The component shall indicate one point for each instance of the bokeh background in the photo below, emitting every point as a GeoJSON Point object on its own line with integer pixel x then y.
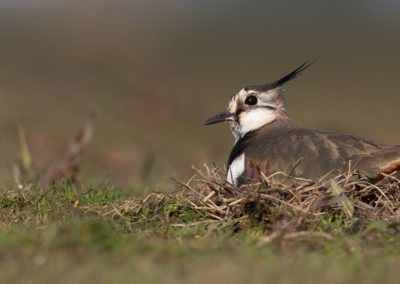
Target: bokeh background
{"type": "Point", "coordinates": [153, 71]}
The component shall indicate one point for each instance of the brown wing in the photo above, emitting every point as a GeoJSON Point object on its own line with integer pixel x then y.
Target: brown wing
{"type": "Point", "coordinates": [303, 152]}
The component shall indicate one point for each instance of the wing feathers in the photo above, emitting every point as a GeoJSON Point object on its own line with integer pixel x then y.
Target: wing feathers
{"type": "Point", "coordinates": [314, 153]}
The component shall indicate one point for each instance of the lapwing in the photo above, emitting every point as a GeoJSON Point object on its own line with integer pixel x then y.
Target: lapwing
{"type": "Point", "coordinates": [267, 140]}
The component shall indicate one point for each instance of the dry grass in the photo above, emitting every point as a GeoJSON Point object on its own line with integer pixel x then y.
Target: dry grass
{"type": "Point", "coordinates": [65, 168]}
{"type": "Point", "coordinates": [346, 193]}
{"type": "Point", "coordinates": [286, 206]}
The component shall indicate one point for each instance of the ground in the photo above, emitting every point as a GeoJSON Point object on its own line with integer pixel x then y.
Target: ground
{"type": "Point", "coordinates": [99, 234]}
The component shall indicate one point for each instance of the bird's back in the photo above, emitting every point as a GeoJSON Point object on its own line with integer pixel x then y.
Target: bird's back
{"type": "Point", "coordinates": [305, 152]}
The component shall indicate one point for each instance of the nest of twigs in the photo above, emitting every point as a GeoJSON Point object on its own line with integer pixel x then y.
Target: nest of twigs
{"type": "Point", "coordinates": [279, 196]}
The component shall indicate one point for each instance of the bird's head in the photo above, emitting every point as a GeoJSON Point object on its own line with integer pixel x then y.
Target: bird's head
{"type": "Point", "coordinates": [255, 106]}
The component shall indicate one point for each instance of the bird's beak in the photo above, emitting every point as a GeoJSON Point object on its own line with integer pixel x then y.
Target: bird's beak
{"type": "Point", "coordinates": [223, 116]}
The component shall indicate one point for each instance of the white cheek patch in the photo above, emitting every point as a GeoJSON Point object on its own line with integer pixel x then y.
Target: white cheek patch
{"type": "Point", "coordinates": [232, 106]}
{"type": "Point", "coordinates": [256, 118]}
{"type": "Point", "coordinates": [236, 169]}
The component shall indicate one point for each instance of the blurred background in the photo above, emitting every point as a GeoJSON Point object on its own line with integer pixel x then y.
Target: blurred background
{"type": "Point", "coordinates": [154, 71]}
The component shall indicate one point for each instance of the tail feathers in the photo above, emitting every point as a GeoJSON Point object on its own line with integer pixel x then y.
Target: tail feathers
{"type": "Point", "coordinates": [380, 163]}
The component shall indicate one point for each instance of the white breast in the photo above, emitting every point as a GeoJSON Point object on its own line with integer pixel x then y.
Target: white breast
{"type": "Point", "coordinates": [236, 169]}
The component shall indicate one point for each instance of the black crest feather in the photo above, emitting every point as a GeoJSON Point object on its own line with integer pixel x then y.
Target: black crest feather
{"type": "Point", "coordinates": [292, 74]}
{"type": "Point", "coordinates": [284, 79]}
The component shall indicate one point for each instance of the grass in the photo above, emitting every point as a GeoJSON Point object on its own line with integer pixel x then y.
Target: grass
{"type": "Point", "coordinates": [98, 234]}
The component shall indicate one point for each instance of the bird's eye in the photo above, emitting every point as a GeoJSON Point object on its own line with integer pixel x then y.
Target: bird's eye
{"type": "Point", "coordinates": [251, 100]}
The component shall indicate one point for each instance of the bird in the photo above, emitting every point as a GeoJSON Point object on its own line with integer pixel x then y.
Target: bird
{"type": "Point", "coordinates": [267, 141]}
